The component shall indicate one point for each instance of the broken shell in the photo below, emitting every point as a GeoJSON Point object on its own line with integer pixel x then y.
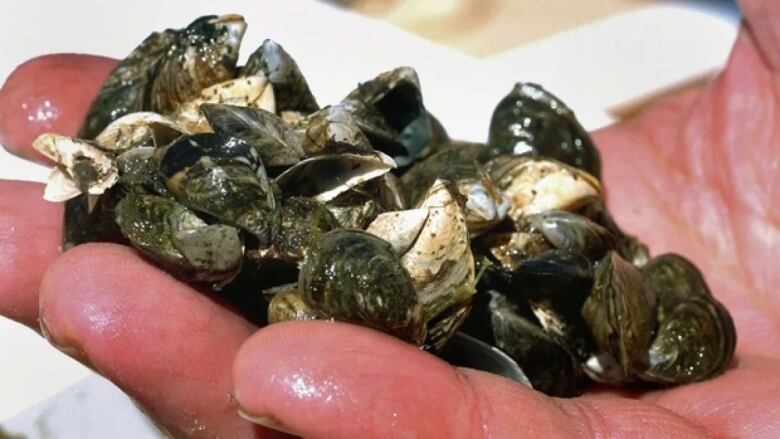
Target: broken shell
{"type": "Point", "coordinates": [81, 167]}
{"type": "Point", "coordinates": [388, 105]}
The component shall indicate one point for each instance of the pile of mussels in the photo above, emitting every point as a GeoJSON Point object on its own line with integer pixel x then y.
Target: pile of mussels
{"type": "Point", "coordinates": [500, 256]}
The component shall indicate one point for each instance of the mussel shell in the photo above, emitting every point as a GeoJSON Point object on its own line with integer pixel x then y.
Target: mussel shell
{"type": "Point", "coordinates": [485, 204]}
{"type": "Point", "coordinates": [696, 336]}
{"type": "Point", "coordinates": [440, 262]}
{"type": "Point", "coordinates": [167, 69]}
{"type": "Point", "coordinates": [287, 304]}
{"type": "Point", "coordinates": [621, 313]}
{"type": "Point", "coordinates": [203, 54]}
{"type": "Point", "coordinates": [134, 130]}
{"type": "Point", "coordinates": [695, 341]}
{"type": "Point", "coordinates": [388, 105]}
{"type": "Point", "coordinates": [275, 141]}
{"type": "Point", "coordinates": [325, 177]}
{"type": "Point", "coordinates": [223, 177]}
{"type": "Point", "coordinates": [434, 247]}
{"type": "Point", "coordinates": [81, 167]}
{"type": "Point", "coordinates": [674, 279]}
{"type": "Point", "coordinates": [303, 221]}
{"type": "Point", "coordinates": [354, 276]}
{"type": "Point", "coordinates": [628, 247]}
{"type": "Point", "coordinates": [574, 233]}
{"type": "Point", "coordinates": [252, 91]}
{"type": "Point", "coordinates": [177, 239]}
{"type": "Point", "coordinates": [355, 208]}
{"type": "Point", "coordinates": [531, 121]}
{"type": "Point", "coordinates": [138, 171]}
{"type": "Point", "coordinates": [535, 185]}
{"type": "Point", "coordinates": [547, 362]}
{"type": "Point", "coordinates": [290, 87]}
{"type": "Point", "coordinates": [463, 350]}
{"type": "Point", "coordinates": [443, 327]}
{"type": "Point", "coordinates": [510, 249]}
{"type": "Point", "coordinates": [510, 326]}
{"type": "Point", "coordinates": [126, 89]}
{"type": "Point", "coordinates": [90, 218]}
{"type": "Point", "coordinates": [556, 284]}
{"type": "Point", "coordinates": [331, 130]}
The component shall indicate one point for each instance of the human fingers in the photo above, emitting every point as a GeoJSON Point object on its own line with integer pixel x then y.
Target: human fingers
{"type": "Point", "coordinates": [763, 20]}
{"type": "Point", "coordinates": [695, 175]}
{"type": "Point", "coordinates": [30, 235]}
{"type": "Point", "coordinates": [326, 379]}
{"type": "Point", "coordinates": [166, 345]}
{"type": "Point", "coordinates": [744, 402]}
{"type": "Point", "coordinates": [50, 93]}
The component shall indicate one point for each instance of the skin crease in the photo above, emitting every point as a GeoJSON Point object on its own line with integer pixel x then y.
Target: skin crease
{"type": "Point", "coordinates": [707, 159]}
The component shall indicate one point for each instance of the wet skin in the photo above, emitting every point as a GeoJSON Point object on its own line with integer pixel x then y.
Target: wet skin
{"type": "Point", "coordinates": [696, 174]}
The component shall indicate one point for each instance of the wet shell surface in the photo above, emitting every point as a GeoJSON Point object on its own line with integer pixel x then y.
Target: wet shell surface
{"type": "Point", "coordinates": [497, 253]}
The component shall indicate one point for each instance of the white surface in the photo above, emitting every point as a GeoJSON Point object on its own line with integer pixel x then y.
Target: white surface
{"type": "Point", "coordinates": [592, 68]}
{"type": "Point", "coordinates": [626, 57]}
{"type": "Point", "coordinates": [95, 396]}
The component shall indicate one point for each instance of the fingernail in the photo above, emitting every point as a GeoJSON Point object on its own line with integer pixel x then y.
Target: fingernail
{"type": "Point", "coordinates": [68, 346]}
{"type": "Point", "coordinates": [266, 421]}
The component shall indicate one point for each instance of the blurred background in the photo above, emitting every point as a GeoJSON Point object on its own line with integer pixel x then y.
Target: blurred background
{"type": "Point", "coordinates": [482, 28]}
{"type": "Point", "coordinates": [491, 29]}
{"type": "Point", "coordinates": [607, 59]}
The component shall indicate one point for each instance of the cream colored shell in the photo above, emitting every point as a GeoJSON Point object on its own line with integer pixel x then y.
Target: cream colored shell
{"type": "Point", "coordinates": [435, 244]}
{"type": "Point", "coordinates": [250, 91]}
{"type": "Point", "coordinates": [66, 152]}
{"type": "Point", "coordinates": [535, 185]}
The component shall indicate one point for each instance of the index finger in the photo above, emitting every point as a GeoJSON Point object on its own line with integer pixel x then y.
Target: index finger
{"type": "Point", "coordinates": [50, 93]}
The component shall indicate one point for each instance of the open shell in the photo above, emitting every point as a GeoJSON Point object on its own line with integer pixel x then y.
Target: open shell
{"type": "Point", "coordinates": [326, 176]}
{"type": "Point", "coordinates": [81, 167]}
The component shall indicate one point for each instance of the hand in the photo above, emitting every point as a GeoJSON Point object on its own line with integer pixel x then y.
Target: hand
{"type": "Point", "coordinates": [695, 174]}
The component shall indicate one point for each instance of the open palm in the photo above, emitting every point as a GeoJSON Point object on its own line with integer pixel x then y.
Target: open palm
{"type": "Point", "coordinates": [695, 175]}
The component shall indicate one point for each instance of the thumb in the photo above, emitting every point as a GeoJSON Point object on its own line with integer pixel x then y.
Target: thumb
{"type": "Point", "coordinates": [326, 379]}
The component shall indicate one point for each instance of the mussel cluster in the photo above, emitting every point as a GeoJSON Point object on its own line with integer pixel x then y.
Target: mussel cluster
{"type": "Point", "coordinates": [500, 256]}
